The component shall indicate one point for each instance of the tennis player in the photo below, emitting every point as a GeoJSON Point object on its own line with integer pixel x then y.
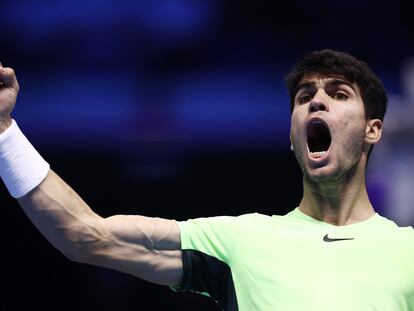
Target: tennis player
{"type": "Point", "coordinates": [332, 252]}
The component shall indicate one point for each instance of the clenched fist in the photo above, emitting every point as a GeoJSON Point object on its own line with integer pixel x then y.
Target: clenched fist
{"type": "Point", "coordinates": [9, 87]}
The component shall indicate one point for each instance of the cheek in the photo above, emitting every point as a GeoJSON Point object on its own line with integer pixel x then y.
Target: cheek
{"type": "Point", "coordinates": [295, 120]}
{"type": "Point", "coordinates": [353, 132]}
{"type": "Point", "coordinates": [351, 121]}
{"type": "Point", "coordinates": [294, 128]}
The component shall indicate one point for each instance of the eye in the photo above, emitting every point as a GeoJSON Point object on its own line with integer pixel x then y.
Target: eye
{"type": "Point", "coordinates": [305, 98]}
{"type": "Point", "coordinates": [340, 96]}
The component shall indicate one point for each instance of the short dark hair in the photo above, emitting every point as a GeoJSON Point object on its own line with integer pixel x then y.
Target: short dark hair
{"type": "Point", "coordinates": [330, 62]}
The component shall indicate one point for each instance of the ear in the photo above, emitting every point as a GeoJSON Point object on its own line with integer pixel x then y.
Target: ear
{"type": "Point", "coordinates": [373, 131]}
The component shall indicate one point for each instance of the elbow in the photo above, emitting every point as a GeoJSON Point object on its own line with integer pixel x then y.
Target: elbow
{"type": "Point", "coordinates": [75, 251]}
{"type": "Point", "coordinates": [82, 245]}
{"type": "Point", "coordinates": [76, 255]}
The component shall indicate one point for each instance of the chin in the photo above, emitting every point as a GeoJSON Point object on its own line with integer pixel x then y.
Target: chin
{"type": "Point", "coordinates": [323, 174]}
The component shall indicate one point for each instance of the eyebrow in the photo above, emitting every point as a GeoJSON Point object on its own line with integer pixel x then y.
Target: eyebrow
{"type": "Point", "coordinates": [333, 82]}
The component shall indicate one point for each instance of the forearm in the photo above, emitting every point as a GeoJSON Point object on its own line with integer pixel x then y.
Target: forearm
{"type": "Point", "coordinates": [145, 247]}
{"type": "Point", "coordinates": [63, 217]}
{"type": "Point", "coordinates": [57, 211]}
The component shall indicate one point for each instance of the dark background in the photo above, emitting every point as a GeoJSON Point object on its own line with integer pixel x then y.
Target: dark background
{"type": "Point", "coordinates": [173, 109]}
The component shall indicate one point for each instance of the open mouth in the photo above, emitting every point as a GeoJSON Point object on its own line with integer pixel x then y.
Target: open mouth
{"type": "Point", "coordinates": [318, 137]}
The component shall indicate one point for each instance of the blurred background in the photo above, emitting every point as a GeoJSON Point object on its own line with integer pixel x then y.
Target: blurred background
{"type": "Point", "coordinates": [178, 109]}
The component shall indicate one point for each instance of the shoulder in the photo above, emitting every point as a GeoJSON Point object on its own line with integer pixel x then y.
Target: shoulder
{"type": "Point", "coordinates": [391, 228]}
{"type": "Point", "coordinates": [234, 225]}
{"type": "Point", "coordinates": [228, 220]}
{"type": "Point", "coordinates": [407, 232]}
{"type": "Point", "coordinates": [258, 220]}
{"type": "Point", "coordinates": [254, 217]}
{"type": "Point", "coordinates": [223, 224]}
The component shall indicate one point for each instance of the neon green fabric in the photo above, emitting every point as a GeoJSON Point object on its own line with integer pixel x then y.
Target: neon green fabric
{"type": "Point", "coordinates": [283, 262]}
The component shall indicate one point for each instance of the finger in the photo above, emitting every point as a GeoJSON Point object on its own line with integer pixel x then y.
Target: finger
{"type": "Point", "coordinates": [8, 77]}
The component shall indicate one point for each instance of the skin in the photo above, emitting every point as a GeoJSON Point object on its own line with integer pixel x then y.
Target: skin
{"type": "Point", "coordinates": [150, 248]}
{"type": "Point", "coordinates": [334, 188]}
{"type": "Point", "coordinates": [9, 87]}
{"type": "Point", "coordinates": [146, 247]}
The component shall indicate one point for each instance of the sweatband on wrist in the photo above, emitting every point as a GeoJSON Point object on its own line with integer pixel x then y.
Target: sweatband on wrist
{"type": "Point", "coordinates": [22, 168]}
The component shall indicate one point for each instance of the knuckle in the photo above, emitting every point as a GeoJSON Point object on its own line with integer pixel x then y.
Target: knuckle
{"type": "Point", "coordinates": [8, 72]}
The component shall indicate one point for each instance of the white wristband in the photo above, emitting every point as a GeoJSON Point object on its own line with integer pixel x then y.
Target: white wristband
{"type": "Point", "coordinates": [22, 168]}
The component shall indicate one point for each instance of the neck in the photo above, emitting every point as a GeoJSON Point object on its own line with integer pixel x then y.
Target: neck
{"type": "Point", "coordinates": [340, 202]}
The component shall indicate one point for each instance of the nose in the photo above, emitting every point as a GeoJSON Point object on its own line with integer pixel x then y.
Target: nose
{"type": "Point", "coordinates": [317, 104]}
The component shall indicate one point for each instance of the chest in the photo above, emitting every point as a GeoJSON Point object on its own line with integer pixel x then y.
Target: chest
{"type": "Point", "coordinates": [304, 266]}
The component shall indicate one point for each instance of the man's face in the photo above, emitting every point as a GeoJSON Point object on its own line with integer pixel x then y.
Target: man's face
{"type": "Point", "coordinates": [328, 126]}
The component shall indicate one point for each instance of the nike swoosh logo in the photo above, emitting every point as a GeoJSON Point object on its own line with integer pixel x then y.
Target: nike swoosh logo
{"type": "Point", "coordinates": [328, 239]}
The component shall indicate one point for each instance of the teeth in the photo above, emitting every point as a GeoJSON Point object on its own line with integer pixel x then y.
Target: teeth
{"type": "Point", "coordinates": [318, 154]}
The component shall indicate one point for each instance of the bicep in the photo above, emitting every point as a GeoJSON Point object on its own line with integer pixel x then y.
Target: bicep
{"type": "Point", "coordinates": [146, 247]}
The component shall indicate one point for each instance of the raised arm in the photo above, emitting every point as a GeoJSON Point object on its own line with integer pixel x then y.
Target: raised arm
{"type": "Point", "coordinates": [148, 248]}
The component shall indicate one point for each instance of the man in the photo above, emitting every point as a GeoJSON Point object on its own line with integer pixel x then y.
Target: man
{"type": "Point", "coordinates": [333, 252]}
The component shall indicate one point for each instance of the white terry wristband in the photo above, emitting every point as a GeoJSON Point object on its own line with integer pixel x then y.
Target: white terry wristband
{"type": "Point", "coordinates": [22, 168]}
